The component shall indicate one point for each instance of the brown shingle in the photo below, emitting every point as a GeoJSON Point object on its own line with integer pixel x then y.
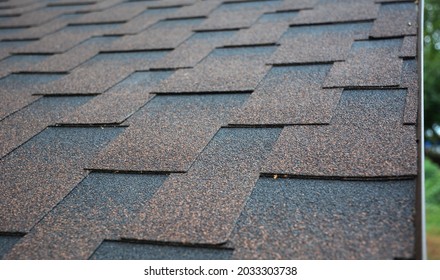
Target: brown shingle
{"type": "Point", "coordinates": [290, 95]}
{"type": "Point", "coordinates": [224, 70]}
{"type": "Point", "coordinates": [370, 64]}
{"type": "Point", "coordinates": [366, 138]}
{"type": "Point", "coordinates": [24, 124]}
{"type": "Point", "coordinates": [40, 173]}
{"type": "Point", "coordinates": [168, 133]}
{"type": "Point", "coordinates": [101, 73]}
{"type": "Point", "coordinates": [338, 12]}
{"type": "Point", "coordinates": [119, 102]}
{"type": "Point", "coordinates": [395, 20]}
{"type": "Point", "coordinates": [202, 205]}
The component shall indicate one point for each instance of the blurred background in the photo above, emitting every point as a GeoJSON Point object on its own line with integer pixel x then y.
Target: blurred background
{"type": "Point", "coordinates": [432, 125]}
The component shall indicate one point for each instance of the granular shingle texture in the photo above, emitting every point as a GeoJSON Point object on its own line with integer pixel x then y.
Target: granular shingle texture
{"type": "Point", "coordinates": [169, 133]}
{"type": "Point", "coordinates": [366, 138]}
{"type": "Point", "coordinates": [28, 122]}
{"type": "Point", "coordinates": [202, 205]}
{"type": "Point", "coordinates": [111, 250]}
{"type": "Point", "coordinates": [224, 70]}
{"type": "Point", "coordinates": [290, 95]}
{"type": "Point", "coordinates": [357, 220]}
{"type": "Point", "coordinates": [40, 173]}
{"type": "Point", "coordinates": [6, 243]}
{"type": "Point", "coordinates": [209, 129]}
{"type": "Point", "coordinates": [369, 64]}
{"type": "Point", "coordinates": [99, 207]}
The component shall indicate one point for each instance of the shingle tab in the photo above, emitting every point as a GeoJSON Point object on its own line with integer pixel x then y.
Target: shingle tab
{"type": "Point", "coordinates": [366, 138]}
{"type": "Point", "coordinates": [409, 47]}
{"type": "Point", "coordinates": [70, 59]}
{"type": "Point", "coordinates": [99, 207]}
{"type": "Point", "coordinates": [395, 20]}
{"type": "Point", "coordinates": [224, 70]}
{"type": "Point", "coordinates": [119, 102]}
{"type": "Point", "coordinates": [290, 95]}
{"type": "Point", "coordinates": [65, 39]}
{"type": "Point", "coordinates": [177, 30]}
{"type": "Point", "coordinates": [16, 91]}
{"type": "Point", "coordinates": [102, 72]}
{"type": "Point", "coordinates": [50, 165]}
{"type": "Point", "coordinates": [201, 206]}
{"type": "Point", "coordinates": [24, 124]}
{"type": "Point", "coordinates": [194, 49]}
{"type": "Point", "coordinates": [409, 80]}
{"type": "Point", "coordinates": [338, 12]}
{"type": "Point", "coordinates": [370, 64]}
{"type": "Point", "coordinates": [168, 133]}
{"type": "Point", "coordinates": [357, 220]}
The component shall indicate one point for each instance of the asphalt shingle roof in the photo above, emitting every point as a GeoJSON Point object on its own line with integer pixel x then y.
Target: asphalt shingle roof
{"type": "Point", "coordinates": [208, 129]}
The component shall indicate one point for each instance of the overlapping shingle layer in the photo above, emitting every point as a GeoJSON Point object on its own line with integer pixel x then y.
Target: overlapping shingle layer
{"type": "Point", "coordinates": [208, 129]}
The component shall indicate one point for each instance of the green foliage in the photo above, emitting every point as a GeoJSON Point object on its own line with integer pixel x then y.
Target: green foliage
{"type": "Point", "coordinates": [432, 62]}
{"type": "Point", "coordinates": [432, 183]}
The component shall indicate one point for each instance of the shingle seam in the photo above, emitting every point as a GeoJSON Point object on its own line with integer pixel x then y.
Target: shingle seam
{"type": "Point", "coordinates": [122, 171]}
{"type": "Point", "coordinates": [201, 92]}
{"type": "Point", "coordinates": [177, 244]}
{"type": "Point", "coordinates": [338, 178]}
{"type": "Point", "coordinates": [330, 23]}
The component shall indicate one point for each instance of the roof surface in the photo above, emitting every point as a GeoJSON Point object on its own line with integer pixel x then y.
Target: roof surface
{"type": "Point", "coordinates": [223, 129]}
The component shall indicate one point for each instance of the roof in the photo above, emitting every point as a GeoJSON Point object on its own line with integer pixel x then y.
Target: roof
{"type": "Point", "coordinates": [223, 129]}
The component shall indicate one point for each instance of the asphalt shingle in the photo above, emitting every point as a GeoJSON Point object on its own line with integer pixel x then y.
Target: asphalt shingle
{"type": "Point", "coordinates": [370, 64]}
{"type": "Point", "coordinates": [357, 220]}
{"type": "Point", "coordinates": [99, 207]}
{"type": "Point", "coordinates": [224, 70]}
{"type": "Point", "coordinates": [201, 205]}
{"type": "Point", "coordinates": [39, 174]}
{"type": "Point", "coordinates": [119, 102]}
{"type": "Point", "coordinates": [290, 95]}
{"type": "Point", "coordinates": [168, 133]}
{"type": "Point", "coordinates": [16, 91]}
{"type": "Point", "coordinates": [395, 20]}
{"type": "Point", "coordinates": [19, 127]}
{"type": "Point", "coordinates": [102, 72]}
{"type": "Point", "coordinates": [366, 138]}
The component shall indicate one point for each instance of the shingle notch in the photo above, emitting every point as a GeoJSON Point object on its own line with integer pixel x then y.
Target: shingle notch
{"type": "Point", "coordinates": [169, 133]}
{"type": "Point", "coordinates": [176, 30]}
{"type": "Point", "coordinates": [366, 138]}
{"type": "Point", "coordinates": [327, 219]}
{"type": "Point", "coordinates": [65, 38]}
{"type": "Point", "coordinates": [98, 208]}
{"type": "Point", "coordinates": [121, 101]}
{"type": "Point", "coordinates": [50, 165]}
{"type": "Point", "coordinates": [318, 43]}
{"type": "Point", "coordinates": [194, 49]}
{"type": "Point", "coordinates": [395, 20]}
{"type": "Point", "coordinates": [111, 250]}
{"type": "Point", "coordinates": [16, 90]}
{"type": "Point", "coordinates": [102, 72]}
{"type": "Point", "coordinates": [201, 206]}
{"type": "Point", "coordinates": [29, 121]}
{"type": "Point", "coordinates": [70, 59]}
{"type": "Point", "coordinates": [373, 63]}
{"type": "Point", "coordinates": [224, 70]}
{"type": "Point", "coordinates": [334, 11]}
{"type": "Point", "coordinates": [290, 95]}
